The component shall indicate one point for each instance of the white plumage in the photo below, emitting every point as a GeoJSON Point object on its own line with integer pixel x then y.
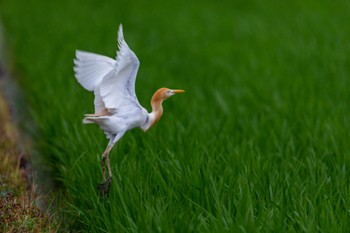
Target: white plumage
{"type": "Point", "coordinates": [116, 106]}
{"type": "Point", "coordinates": [113, 83]}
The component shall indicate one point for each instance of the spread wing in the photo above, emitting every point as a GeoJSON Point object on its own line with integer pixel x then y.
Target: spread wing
{"type": "Point", "coordinates": [112, 81]}
{"type": "Point", "coordinates": [90, 68]}
{"type": "Point", "coordinates": [117, 88]}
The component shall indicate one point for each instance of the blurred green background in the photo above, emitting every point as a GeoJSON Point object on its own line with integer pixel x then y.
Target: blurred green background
{"type": "Point", "coordinates": [258, 143]}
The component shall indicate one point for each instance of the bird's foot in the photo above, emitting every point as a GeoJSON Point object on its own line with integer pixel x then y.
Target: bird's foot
{"type": "Point", "coordinates": [104, 187]}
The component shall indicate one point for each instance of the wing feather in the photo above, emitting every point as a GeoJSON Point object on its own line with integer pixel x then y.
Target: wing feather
{"type": "Point", "coordinates": [112, 81]}
{"type": "Point", "coordinates": [90, 68]}
{"type": "Point", "coordinates": [117, 88]}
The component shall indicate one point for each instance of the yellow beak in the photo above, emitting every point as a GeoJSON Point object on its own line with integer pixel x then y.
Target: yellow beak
{"type": "Point", "coordinates": [178, 91]}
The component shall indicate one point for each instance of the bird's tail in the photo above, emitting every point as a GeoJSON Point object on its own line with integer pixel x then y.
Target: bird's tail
{"type": "Point", "coordinates": [88, 120]}
{"type": "Point", "coordinates": [92, 118]}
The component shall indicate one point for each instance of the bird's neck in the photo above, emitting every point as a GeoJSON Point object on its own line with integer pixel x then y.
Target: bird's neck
{"type": "Point", "coordinates": [157, 111]}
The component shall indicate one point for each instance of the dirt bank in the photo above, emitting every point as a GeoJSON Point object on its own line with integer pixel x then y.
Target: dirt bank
{"type": "Point", "coordinates": [18, 210]}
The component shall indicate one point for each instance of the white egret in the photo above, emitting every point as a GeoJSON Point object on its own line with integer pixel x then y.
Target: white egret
{"type": "Point", "coordinates": [117, 109]}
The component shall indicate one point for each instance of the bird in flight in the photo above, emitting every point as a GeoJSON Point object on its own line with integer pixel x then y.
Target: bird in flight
{"type": "Point", "coordinates": [117, 109]}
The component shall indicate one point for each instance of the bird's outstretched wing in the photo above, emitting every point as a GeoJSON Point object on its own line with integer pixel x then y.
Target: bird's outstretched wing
{"type": "Point", "coordinates": [113, 81]}
{"type": "Point", "coordinates": [90, 68]}
{"type": "Point", "coordinates": [117, 88]}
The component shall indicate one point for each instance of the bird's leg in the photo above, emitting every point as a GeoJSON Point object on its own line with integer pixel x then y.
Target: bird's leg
{"type": "Point", "coordinates": [106, 183]}
{"type": "Point", "coordinates": [103, 168]}
{"type": "Point", "coordinates": [104, 156]}
{"type": "Point", "coordinates": [109, 167]}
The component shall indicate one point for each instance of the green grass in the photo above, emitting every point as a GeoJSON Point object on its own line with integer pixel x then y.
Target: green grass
{"type": "Point", "coordinates": [258, 143]}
